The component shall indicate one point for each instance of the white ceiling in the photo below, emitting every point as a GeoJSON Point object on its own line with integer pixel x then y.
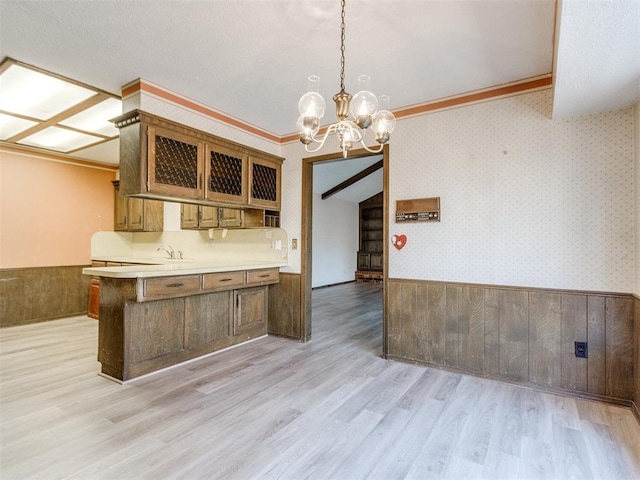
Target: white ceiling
{"type": "Point", "coordinates": [330, 174]}
{"type": "Point", "coordinates": [250, 58]}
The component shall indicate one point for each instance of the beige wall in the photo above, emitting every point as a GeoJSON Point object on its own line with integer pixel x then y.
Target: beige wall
{"type": "Point", "coordinates": [49, 210]}
{"type": "Point", "coordinates": [526, 200]}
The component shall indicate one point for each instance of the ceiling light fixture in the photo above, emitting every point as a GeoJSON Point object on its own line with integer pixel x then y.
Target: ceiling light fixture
{"type": "Point", "coordinates": [363, 107]}
{"type": "Point", "coordinates": [44, 110]}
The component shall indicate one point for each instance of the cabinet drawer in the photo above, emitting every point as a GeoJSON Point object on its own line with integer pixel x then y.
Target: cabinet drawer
{"type": "Point", "coordinates": [225, 279]}
{"type": "Point", "coordinates": [270, 275]}
{"type": "Point", "coordinates": [164, 287]}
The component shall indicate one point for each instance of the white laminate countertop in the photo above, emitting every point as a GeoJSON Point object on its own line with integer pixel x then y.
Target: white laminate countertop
{"type": "Point", "coordinates": [164, 267]}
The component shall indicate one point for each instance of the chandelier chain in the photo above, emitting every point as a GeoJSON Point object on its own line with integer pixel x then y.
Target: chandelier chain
{"type": "Point", "coordinates": [342, 27]}
{"type": "Point", "coordinates": [349, 132]}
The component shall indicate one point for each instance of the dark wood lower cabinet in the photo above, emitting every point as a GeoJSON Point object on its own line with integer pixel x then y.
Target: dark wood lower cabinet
{"type": "Point", "coordinates": [208, 320]}
{"type": "Point", "coordinates": [93, 310]}
{"type": "Point", "coordinates": [140, 337]}
{"type": "Point", "coordinates": [251, 311]}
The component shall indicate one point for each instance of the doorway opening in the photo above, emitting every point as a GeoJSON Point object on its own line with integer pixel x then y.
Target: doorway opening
{"type": "Point", "coordinates": [307, 234]}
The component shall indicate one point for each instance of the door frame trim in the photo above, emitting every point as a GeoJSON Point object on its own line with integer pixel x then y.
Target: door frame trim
{"type": "Point", "coordinates": [306, 236]}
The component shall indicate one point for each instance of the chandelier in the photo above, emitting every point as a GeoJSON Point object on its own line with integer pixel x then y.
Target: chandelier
{"type": "Point", "coordinates": [356, 114]}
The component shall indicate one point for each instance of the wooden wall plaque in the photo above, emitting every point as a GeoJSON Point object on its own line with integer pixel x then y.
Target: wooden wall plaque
{"type": "Point", "coordinates": [418, 210]}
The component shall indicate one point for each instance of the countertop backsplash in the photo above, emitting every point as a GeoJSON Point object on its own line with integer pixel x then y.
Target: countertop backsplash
{"type": "Point", "coordinates": [254, 244]}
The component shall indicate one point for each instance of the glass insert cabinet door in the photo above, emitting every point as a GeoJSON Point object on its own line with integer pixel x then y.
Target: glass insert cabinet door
{"type": "Point", "coordinates": [175, 165]}
{"type": "Point", "coordinates": [264, 184]}
{"type": "Point", "coordinates": [226, 173]}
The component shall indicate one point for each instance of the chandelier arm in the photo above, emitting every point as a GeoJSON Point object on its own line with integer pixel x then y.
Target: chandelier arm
{"type": "Point", "coordinates": [320, 141]}
{"type": "Point", "coordinates": [378, 149]}
{"type": "Point", "coordinates": [356, 134]}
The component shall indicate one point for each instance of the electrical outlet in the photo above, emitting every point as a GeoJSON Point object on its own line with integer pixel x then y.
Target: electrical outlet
{"type": "Point", "coordinates": [581, 350]}
{"type": "Point", "coordinates": [294, 244]}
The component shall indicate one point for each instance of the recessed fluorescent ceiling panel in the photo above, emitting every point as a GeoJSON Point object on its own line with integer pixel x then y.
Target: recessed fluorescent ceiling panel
{"type": "Point", "coordinates": [96, 118]}
{"type": "Point", "coordinates": [36, 95]}
{"type": "Point", "coordinates": [59, 139]}
{"type": "Point", "coordinates": [48, 111]}
{"type": "Point", "coordinates": [9, 126]}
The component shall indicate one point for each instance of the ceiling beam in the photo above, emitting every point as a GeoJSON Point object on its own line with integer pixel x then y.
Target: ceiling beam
{"type": "Point", "coordinates": [350, 181]}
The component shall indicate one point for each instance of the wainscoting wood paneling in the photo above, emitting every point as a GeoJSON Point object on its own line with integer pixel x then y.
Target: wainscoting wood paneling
{"type": "Point", "coordinates": [470, 329]}
{"type": "Point", "coordinates": [513, 347]}
{"type": "Point", "coordinates": [491, 336]}
{"type": "Point", "coordinates": [545, 339]}
{"type": "Point", "coordinates": [596, 337]}
{"type": "Point", "coordinates": [520, 334]}
{"type": "Point", "coordinates": [636, 349]}
{"type": "Point", "coordinates": [285, 317]}
{"type": "Point", "coordinates": [574, 329]}
{"type": "Point", "coordinates": [619, 347]}
{"type": "Point", "coordinates": [31, 295]}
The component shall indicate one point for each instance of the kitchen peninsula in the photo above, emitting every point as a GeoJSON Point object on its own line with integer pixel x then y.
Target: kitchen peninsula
{"type": "Point", "coordinates": [157, 311]}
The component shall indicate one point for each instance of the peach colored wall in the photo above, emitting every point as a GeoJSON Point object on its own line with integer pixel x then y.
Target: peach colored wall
{"type": "Point", "coordinates": [49, 210]}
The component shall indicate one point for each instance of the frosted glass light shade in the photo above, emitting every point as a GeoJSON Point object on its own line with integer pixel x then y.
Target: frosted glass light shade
{"type": "Point", "coordinates": [383, 124]}
{"type": "Point", "coordinates": [312, 104]}
{"type": "Point", "coordinates": [307, 128]}
{"type": "Point", "coordinates": [363, 104]}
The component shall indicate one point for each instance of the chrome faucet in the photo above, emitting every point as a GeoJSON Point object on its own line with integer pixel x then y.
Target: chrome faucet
{"type": "Point", "coordinates": [169, 251]}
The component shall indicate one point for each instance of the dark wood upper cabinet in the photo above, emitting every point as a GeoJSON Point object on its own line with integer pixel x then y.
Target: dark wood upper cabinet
{"type": "Point", "coordinates": [136, 214]}
{"type": "Point", "coordinates": [162, 160]}
{"type": "Point", "coordinates": [264, 182]}
{"type": "Point", "coordinates": [174, 163]}
{"type": "Point", "coordinates": [226, 175]}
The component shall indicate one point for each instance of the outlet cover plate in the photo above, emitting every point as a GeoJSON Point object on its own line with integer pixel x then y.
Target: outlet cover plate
{"type": "Point", "coordinates": [581, 350]}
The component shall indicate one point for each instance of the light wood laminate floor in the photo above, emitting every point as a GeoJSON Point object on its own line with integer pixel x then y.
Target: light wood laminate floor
{"type": "Point", "coordinates": [274, 408]}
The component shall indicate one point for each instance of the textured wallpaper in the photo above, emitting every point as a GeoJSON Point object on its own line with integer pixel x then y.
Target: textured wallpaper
{"type": "Point", "coordinates": [185, 116]}
{"type": "Point", "coordinates": [636, 285]}
{"type": "Point", "coordinates": [525, 200]}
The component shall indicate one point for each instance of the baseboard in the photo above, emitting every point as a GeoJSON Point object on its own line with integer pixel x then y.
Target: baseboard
{"type": "Point", "coordinates": [288, 337]}
{"type": "Point", "coordinates": [636, 411]}
{"type": "Point", "coordinates": [333, 284]}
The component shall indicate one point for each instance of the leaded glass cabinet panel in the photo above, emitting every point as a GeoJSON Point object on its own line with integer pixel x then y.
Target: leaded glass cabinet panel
{"type": "Point", "coordinates": [226, 173]}
{"type": "Point", "coordinates": [264, 184]}
{"type": "Point", "coordinates": [174, 163]}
